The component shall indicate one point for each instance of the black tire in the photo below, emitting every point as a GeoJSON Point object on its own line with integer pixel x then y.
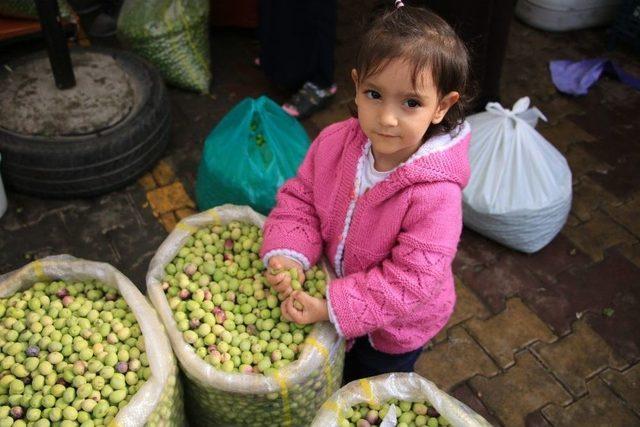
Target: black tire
{"type": "Point", "coordinates": [92, 164]}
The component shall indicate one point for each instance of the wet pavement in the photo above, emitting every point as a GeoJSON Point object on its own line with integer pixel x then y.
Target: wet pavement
{"type": "Point", "coordinates": [548, 339]}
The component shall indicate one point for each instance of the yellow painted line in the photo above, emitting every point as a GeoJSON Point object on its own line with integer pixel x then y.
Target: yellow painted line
{"type": "Point", "coordinates": [284, 393]}
{"type": "Point", "coordinates": [325, 355]}
{"type": "Point", "coordinates": [186, 227]}
{"type": "Point", "coordinates": [332, 406]}
{"type": "Point", "coordinates": [213, 213]}
{"type": "Point", "coordinates": [368, 392]}
{"type": "Point", "coordinates": [38, 270]}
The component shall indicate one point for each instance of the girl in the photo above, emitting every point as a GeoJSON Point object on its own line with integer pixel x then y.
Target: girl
{"type": "Point", "coordinates": [380, 196]}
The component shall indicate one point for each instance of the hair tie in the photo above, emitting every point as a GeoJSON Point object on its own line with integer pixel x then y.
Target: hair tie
{"type": "Point", "coordinates": [399, 4]}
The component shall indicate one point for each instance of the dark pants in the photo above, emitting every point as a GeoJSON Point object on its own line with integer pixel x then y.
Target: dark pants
{"type": "Point", "coordinates": [297, 41]}
{"type": "Point", "coordinates": [364, 361]}
{"type": "Point", "coordinates": [484, 28]}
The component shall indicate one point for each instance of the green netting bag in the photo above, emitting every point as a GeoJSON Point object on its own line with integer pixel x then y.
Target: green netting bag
{"type": "Point", "coordinates": [289, 397]}
{"type": "Point", "coordinates": [171, 34]}
{"type": "Point", "coordinates": [377, 391]}
{"type": "Point", "coordinates": [159, 401]}
{"type": "Point", "coordinates": [254, 149]}
{"type": "Point", "coordinates": [27, 9]}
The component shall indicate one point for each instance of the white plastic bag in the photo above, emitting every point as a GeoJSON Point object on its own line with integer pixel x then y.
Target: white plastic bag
{"type": "Point", "coordinates": [159, 400]}
{"type": "Point", "coordinates": [520, 191]}
{"type": "Point", "coordinates": [215, 397]}
{"type": "Point", "coordinates": [404, 386]}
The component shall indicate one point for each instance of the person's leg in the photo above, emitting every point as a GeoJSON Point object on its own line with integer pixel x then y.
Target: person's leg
{"type": "Point", "coordinates": [364, 361]}
{"type": "Point", "coordinates": [484, 28]}
{"type": "Point", "coordinates": [318, 88]}
{"type": "Point", "coordinates": [501, 16]}
{"type": "Point", "coordinates": [324, 16]}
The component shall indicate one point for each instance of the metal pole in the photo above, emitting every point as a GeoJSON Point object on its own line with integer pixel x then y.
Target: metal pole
{"type": "Point", "coordinates": [56, 44]}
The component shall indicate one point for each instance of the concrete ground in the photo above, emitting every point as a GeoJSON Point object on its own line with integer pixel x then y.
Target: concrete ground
{"type": "Point", "coordinates": [549, 339]}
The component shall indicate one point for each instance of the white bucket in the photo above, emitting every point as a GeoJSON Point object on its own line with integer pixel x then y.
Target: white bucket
{"type": "Point", "coordinates": [3, 196]}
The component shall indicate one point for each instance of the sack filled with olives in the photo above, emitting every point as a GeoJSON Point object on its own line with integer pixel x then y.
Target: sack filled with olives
{"type": "Point", "coordinates": [244, 363]}
{"type": "Point", "coordinates": [80, 345]}
{"type": "Point", "coordinates": [397, 399]}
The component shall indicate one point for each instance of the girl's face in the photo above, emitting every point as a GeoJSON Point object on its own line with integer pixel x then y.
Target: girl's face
{"type": "Point", "coordinates": [394, 115]}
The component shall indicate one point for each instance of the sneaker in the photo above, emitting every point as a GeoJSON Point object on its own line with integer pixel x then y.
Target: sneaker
{"type": "Point", "coordinates": [309, 99]}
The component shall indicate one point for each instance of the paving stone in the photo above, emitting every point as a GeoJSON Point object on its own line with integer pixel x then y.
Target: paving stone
{"type": "Point", "coordinates": [169, 198]}
{"type": "Point", "coordinates": [578, 356]}
{"type": "Point", "coordinates": [21, 246]}
{"type": "Point", "coordinates": [163, 173]}
{"type": "Point", "coordinates": [147, 182]}
{"type": "Point", "coordinates": [536, 419]}
{"type": "Point", "coordinates": [632, 253]}
{"type": "Point", "coordinates": [581, 162]}
{"type": "Point", "coordinates": [522, 389]}
{"type": "Point", "coordinates": [467, 306]}
{"type": "Point", "coordinates": [597, 235]}
{"type": "Point", "coordinates": [572, 221]}
{"type": "Point", "coordinates": [600, 407]}
{"type": "Point", "coordinates": [454, 361]}
{"type": "Point", "coordinates": [183, 213]}
{"type": "Point", "coordinates": [626, 384]}
{"type": "Point", "coordinates": [558, 256]}
{"type": "Point", "coordinates": [564, 133]}
{"type": "Point", "coordinates": [168, 221]}
{"type": "Point", "coordinates": [466, 395]}
{"type": "Point", "coordinates": [27, 211]}
{"type": "Point", "coordinates": [559, 108]}
{"type": "Point", "coordinates": [586, 292]}
{"type": "Point", "coordinates": [474, 250]}
{"type": "Point", "coordinates": [510, 331]}
{"type": "Point", "coordinates": [497, 282]}
{"type": "Point", "coordinates": [627, 215]}
{"type": "Point", "coordinates": [588, 197]}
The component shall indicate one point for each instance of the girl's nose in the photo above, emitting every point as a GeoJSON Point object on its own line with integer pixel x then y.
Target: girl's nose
{"type": "Point", "coordinates": [387, 117]}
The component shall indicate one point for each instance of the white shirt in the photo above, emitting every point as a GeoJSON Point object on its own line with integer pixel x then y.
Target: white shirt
{"type": "Point", "coordinates": [369, 176]}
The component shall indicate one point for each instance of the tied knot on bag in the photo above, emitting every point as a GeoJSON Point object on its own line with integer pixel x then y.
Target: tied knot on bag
{"type": "Point", "coordinates": [520, 112]}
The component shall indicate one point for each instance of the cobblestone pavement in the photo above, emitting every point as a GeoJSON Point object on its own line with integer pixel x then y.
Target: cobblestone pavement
{"type": "Point", "coordinates": [549, 339]}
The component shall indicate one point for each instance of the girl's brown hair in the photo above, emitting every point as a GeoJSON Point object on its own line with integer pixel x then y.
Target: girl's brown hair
{"type": "Point", "coordinates": [426, 41]}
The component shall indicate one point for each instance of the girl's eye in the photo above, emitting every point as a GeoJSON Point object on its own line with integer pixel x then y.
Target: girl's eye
{"type": "Point", "coordinates": [372, 94]}
{"type": "Point", "coordinates": [412, 103]}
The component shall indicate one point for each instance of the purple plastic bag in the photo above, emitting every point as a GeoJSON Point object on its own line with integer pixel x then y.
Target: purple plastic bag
{"type": "Point", "coordinates": [576, 77]}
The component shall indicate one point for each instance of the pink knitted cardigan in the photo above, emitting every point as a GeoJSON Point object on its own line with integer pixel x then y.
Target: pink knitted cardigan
{"type": "Point", "coordinates": [392, 247]}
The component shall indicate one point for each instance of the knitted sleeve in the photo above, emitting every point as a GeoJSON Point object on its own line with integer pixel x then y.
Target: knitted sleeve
{"type": "Point", "coordinates": [293, 225]}
{"type": "Point", "coordinates": [414, 272]}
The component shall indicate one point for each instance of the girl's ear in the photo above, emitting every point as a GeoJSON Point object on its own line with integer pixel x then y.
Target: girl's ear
{"type": "Point", "coordinates": [445, 103]}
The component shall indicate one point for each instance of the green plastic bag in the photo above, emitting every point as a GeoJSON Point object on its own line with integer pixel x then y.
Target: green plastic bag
{"type": "Point", "coordinates": [254, 149]}
{"type": "Point", "coordinates": [171, 34]}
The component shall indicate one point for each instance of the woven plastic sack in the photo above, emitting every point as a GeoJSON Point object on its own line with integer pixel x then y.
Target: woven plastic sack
{"type": "Point", "coordinates": [403, 386]}
{"type": "Point", "coordinates": [520, 189]}
{"type": "Point", "coordinates": [289, 398]}
{"type": "Point", "coordinates": [159, 401]}
{"type": "Point", "coordinates": [27, 9]}
{"type": "Point", "coordinates": [254, 149]}
{"type": "Point", "coordinates": [171, 34]}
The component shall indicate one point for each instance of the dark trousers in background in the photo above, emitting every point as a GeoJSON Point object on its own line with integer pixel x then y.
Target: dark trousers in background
{"type": "Point", "coordinates": [364, 361]}
{"type": "Point", "coordinates": [484, 27]}
{"type": "Point", "coordinates": [297, 40]}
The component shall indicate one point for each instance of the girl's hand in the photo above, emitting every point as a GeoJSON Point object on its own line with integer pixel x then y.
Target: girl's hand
{"type": "Point", "coordinates": [302, 308]}
{"type": "Point", "coordinates": [276, 274]}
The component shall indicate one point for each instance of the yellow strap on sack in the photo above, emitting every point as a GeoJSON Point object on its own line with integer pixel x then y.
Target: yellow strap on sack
{"type": "Point", "coordinates": [213, 213]}
{"type": "Point", "coordinates": [326, 368]}
{"type": "Point", "coordinates": [38, 271]}
{"type": "Point", "coordinates": [186, 227]}
{"type": "Point", "coordinates": [368, 392]}
{"type": "Point", "coordinates": [331, 405]}
{"type": "Point", "coordinates": [284, 394]}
